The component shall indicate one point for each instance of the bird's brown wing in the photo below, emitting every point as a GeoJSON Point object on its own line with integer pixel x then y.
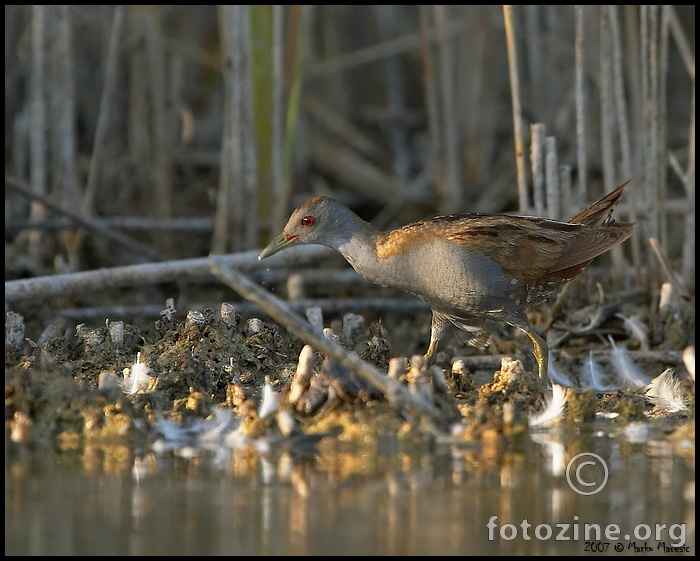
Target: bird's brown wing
{"type": "Point", "coordinates": [525, 248]}
{"type": "Point", "coordinates": [536, 250]}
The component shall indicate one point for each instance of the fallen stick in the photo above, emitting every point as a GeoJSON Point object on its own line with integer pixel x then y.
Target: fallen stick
{"type": "Point", "coordinates": [393, 390]}
{"type": "Point", "coordinates": [151, 273]}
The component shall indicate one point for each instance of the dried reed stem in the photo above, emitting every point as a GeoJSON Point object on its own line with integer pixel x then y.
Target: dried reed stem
{"type": "Point", "coordinates": [537, 149]}
{"type": "Point", "coordinates": [450, 194]}
{"type": "Point", "coordinates": [518, 118]}
{"type": "Point", "coordinates": [277, 134]}
{"type": "Point", "coordinates": [689, 183]}
{"type": "Point", "coordinates": [607, 109]}
{"type": "Point", "coordinates": [159, 117]}
{"type": "Point", "coordinates": [105, 108]}
{"type": "Point", "coordinates": [552, 174]}
{"type": "Point", "coordinates": [566, 191]}
{"type": "Point", "coordinates": [680, 39]}
{"type": "Point", "coordinates": [396, 88]}
{"type": "Point", "coordinates": [621, 111]}
{"type": "Point", "coordinates": [581, 113]}
{"type": "Point", "coordinates": [435, 140]}
{"type": "Point", "coordinates": [37, 127]}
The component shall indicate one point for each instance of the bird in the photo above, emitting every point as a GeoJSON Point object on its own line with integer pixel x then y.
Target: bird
{"type": "Point", "coordinates": [474, 270]}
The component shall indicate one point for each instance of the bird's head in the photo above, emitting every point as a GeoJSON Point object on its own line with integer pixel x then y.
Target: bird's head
{"type": "Point", "coordinates": [320, 220]}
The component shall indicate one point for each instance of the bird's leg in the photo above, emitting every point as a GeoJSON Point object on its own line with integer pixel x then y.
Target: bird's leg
{"type": "Point", "coordinates": [541, 353]}
{"type": "Point", "coordinates": [437, 330]}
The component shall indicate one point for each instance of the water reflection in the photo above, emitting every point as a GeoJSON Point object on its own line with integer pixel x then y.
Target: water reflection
{"type": "Point", "coordinates": [382, 500]}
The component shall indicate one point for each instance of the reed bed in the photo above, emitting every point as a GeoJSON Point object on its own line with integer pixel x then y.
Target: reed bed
{"type": "Point", "coordinates": [222, 119]}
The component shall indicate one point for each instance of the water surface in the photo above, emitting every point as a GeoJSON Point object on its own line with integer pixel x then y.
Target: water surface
{"type": "Point", "coordinates": [438, 500]}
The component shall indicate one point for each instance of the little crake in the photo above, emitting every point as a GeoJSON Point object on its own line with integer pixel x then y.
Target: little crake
{"type": "Point", "coordinates": [471, 269]}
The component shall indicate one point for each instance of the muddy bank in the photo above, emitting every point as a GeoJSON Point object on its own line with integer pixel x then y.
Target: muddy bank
{"type": "Point", "coordinates": [248, 378]}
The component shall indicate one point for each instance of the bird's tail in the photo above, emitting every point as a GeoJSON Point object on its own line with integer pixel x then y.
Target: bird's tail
{"type": "Point", "coordinates": [600, 212]}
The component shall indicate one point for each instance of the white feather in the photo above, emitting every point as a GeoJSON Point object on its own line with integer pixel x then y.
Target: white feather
{"type": "Point", "coordinates": [216, 426]}
{"type": "Point", "coordinates": [666, 392]}
{"type": "Point", "coordinates": [553, 410]}
{"type": "Point", "coordinates": [627, 373]}
{"type": "Point", "coordinates": [593, 377]}
{"type": "Point", "coordinates": [137, 377]}
{"type": "Point", "coordinates": [636, 329]}
{"type": "Point", "coordinates": [170, 431]}
{"type": "Point", "coordinates": [270, 400]}
{"type": "Point", "coordinates": [557, 376]}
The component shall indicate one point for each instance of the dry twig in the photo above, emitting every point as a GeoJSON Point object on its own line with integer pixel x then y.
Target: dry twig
{"type": "Point", "coordinates": [281, 312]}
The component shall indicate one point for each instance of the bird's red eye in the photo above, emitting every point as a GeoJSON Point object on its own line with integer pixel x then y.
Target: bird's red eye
{"type": "Point", "coordinates": [308, 221]}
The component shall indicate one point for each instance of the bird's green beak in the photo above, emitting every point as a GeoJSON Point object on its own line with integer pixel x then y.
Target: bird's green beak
{"type": "Point", "coordinates": [278, 244]}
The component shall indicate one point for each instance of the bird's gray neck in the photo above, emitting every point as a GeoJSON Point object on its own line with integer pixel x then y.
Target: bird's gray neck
{"type": "Point", "coordinates": [359, 250]}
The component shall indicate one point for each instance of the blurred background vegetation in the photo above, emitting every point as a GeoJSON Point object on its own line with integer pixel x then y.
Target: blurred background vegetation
{"type": "Point", "coordinates": [142, 133]}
